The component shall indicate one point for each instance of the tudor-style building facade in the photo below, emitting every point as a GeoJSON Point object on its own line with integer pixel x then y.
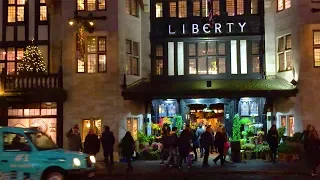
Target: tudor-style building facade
{"type": "Point", "coordinates": [198, 67]}
{"type": "Point", "coordinates": [33, 100]}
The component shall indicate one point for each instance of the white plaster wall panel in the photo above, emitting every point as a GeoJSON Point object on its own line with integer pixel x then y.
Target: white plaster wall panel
{"type": "Point", "coordinates": [43, 32]}
{"type": "Point", "coordinates": [1, 20]}
{"type": "Point", "coordinates": [21, 33]}
{"type": "Point", "coordinates": [270, 44]}
{"type": "Point", "coordinates": [45, 53]}
{"type": "Point", "coordinates": [31, 19]}
{"type": "Point", "coordinates": [9, 33]}
{"type": "Point", "coordinates": [145, 45]}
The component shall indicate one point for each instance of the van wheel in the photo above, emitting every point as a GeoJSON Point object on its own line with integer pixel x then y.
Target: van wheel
{"type": "Point", "coordinates": [55, 175]}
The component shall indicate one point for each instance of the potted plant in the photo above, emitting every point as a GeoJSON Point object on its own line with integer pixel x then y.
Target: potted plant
{"type": "Point", "coordinates": [249, 147]}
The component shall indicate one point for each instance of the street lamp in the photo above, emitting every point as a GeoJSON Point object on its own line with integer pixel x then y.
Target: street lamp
{"type": "Point", "coordinates": [85, 21]}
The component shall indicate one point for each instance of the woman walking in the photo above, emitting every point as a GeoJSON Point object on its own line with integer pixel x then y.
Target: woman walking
{"type": "Point", "coordinates": [273, 141]}
{"type": "Point", "coordinates": [127, 145]}
{"type": "Point", "coordinates": [311, 147]}
{"type": "Point", "coordinates": [91, 143]}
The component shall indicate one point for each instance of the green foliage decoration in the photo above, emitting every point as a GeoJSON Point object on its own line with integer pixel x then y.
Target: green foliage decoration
{"type": "Point", "coordinates": [178, 122]}
{"type": "Point", "coordinates": [236, 134]}
{"type": "Point", "coordinates": [245, 121]}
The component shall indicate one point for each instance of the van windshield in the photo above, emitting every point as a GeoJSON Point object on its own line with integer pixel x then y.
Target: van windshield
{"type": "Point", "coordinates": [41, 141]}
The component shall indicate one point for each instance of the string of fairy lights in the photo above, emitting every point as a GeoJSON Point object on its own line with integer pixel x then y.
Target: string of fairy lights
{"type": "Point", "coordinates": [32, 60]}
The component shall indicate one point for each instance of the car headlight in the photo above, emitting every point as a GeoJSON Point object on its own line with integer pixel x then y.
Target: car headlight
{"type": "Point", "coordinates": [76, 162]}
{"type": "Point", "coordinates": [92, 159]}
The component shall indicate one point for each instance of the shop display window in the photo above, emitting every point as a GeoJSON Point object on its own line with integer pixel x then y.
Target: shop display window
{"type": "Point", "coordinates": [244, 108]}
{"type": "Point", "coordinates": [162, 110]}
{"type": "Point", "coordinates": [288, 123]}
{"type": "Point", "coordinates": [88, 124]}
{"type": "Point", "coordinates": [132, 126]}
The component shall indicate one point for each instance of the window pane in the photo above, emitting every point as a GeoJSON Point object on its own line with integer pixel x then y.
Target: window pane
{"type": "Point", "coordinates": [255, 64]}
{"type": "Point", "coordinates": [193, 66]}
{"type": "Point", "coordinates": [192, 49]}
{"type": "Point", "coordinates": [230, 7]}
{"type": "Point", "coordinates": [316, 37]}
{"type": "Point", "coordinates": [102, 44]}
{"type": "Point", "coordinates": [202, 65]}
{"type": "Point", "coordinates": [91, 44]}
{"type": "Point", "coordinates": [202, 49]}
{"type": "Point", "coordinates": [287, 4]}
{"type": "Point", "coordinates": [221, 48]}
{"type": "Point", "coordinates": [91, 4]}
{"type": "Point", "coordinates": [11, 2]}
{"type": "Point", "coordinates": [255, 47]}
{"type": "Point", "coordinates": [159, 50]}
{"type": "Point", "coordinates": [204, 8]}
{"type": "Point", "coordinates": [159, 10]}
{"type": "Point", "coordinates": [291, 126]}
{"type": "Point", "coordinates": [80, 5]}
{"type": "Point", "coordinates": [281, 62]}
{"type": "Point", "coordinates": [135, 48]}
{"type": "Point", "coordinates": [11, 67]}
{"type": "Point", "coordinates": [182, 9]}
{"type": "Point", "coordinates": [216, 7]}
{"type": "Point", "coordinates": [222, 65]}
{"type": "Point", "coordinates": [212, 65]}
{"type": "Point", "coordinates": [11, 54]}
{"type": "Point", "coordinates": [128, 7]}
{"type": "Point", "coordinates": [288, 41]}
{"type": "Point", "coordinates": [92, 63]}
{"type": "Point", "coordinates": [80, 65]}
{"type": "Point", "coordinates": [42, 1]}
{"type": "Point", "coordinates": [196, 8]}
{"type": "Point", "coordinates": [2, 54]}
{"type": "Point", "coordinates": [102, 63]}
{"type": "Point", "coordinates": [159, 67]}
{"type": "Point", "coordinates": [173, 9]}
{"type": "Point", "coordinates": [316, 53]}
{"type": "Point", "coordinates": [128, 47]}
{"type": "Point", "coordinates": [281, 44]}
{"type": "Point", "coordinates": [280, 5]}
{"type": "Point", "coordinates": [240, 7]}
{"type": "Point", "coordinates": [135, 66]}
{"type": "Point", "coordinates": [20, 13]}
{"type": "Point", "coordinates": [128, 65]}
{"type": "Point", "coordinates": [212, 48]}
{"type": "Point", "coordinates": [21, 2]}
{"type": "Point", "coordinates": [43, 13]}
{"type": "Point", "coordinates": [11, 14]}
{"type": "Point", "coordinates": [102, 4]}
{"type": "Point", "coordinates": [19, 53]}
{"type": "Point", "coordinates": [289, 60]}
{"type": "Point", "coordinates": [254, 7]}
{"type": "Point", "coordinates": [134, 7]}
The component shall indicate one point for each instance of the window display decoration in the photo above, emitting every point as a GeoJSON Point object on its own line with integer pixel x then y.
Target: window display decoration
{"type": "Point", "coordinates": [254, 110]}
{"type": "Point", "coordinates": [162, 110]}
{"type": "Point", "coordinates": [171, 110]}
{"type": "Point", "coordinates": [244, 108]}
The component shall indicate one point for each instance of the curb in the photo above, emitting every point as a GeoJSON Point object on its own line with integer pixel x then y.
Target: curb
{"type": "Point", "coordinates": [168, 173]}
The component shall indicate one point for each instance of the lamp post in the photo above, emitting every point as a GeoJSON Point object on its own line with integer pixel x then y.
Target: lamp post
{"type": "Point", "coordinates": [86, 22]}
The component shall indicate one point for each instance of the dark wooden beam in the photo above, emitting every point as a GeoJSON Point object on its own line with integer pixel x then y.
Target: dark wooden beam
{"type": "Point", "coordinates": [141, 4]}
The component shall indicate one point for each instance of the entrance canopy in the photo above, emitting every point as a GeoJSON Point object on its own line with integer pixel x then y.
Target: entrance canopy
{"type": "Point", "coordinates": [269, 88]}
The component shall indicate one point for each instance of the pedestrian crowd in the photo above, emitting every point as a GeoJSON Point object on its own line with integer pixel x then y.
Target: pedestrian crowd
{"type": "Point", "coordinates": [187, 146]}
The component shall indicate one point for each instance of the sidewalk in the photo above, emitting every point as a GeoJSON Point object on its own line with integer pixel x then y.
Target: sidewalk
{"type": "Point", "coordinates": [142, 168]}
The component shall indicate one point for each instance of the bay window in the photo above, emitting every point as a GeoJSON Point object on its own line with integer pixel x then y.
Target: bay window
{"type": "Point", "coordinates": [284, 53]}
{"type": "Point", "coordinates": [132, 60]}
{"type": "Point", "coordinates": [132, 7]}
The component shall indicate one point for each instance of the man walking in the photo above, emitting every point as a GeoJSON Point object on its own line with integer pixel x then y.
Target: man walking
{"type": "Point", "coordinates": [107, 141]}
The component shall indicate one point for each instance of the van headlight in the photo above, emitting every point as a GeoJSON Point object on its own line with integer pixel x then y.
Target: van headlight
{"type": "Point", "coordinates": [76, 162]}
{"type": "Point", "coordinates": [92, 159]}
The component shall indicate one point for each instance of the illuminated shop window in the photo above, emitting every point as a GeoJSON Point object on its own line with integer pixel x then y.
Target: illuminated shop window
{"type": "Point", "coordinates": [9, 58]}
{"type": "Point", "coordinates": [132, 58]}
{"type": "Point", "coordinates": [230, 7]}
{"type": "Point", "coordinates": [254, 7]}
{"type": "Point", "coordinates": [91, 5]}
{"type": "Point", "coordinates": [182, 9]}
{"type": "Point", "coordinates": [96, 56]}
{"type": "Point", "coordinates": [207, 57]}
{"type": "Point", "coordinates": [196, 8]}
{"type": "Point", "coordinates": [249, 108]}
{"type": "Point", "coordinates": [132, 8]}
{"type": "Point", "coordinates": [216, 7]}
{"type": "Point", "coordinates": [316, 48]}
{"type": "Point", "coordinates": [255, 56]}
{"type": "Point", "coordinates": [285, 53]}
{"type": "Point", "coordinates": [284, 4]}
{"type": "Point", "coordinates": [287, 122]}
{"type": "Point", "coordinates": [204, 8]}
{"type": "Point", "coordinates": [132, 127]}
{"type": "Point", "coordinates": [173, 9]}
{"type": "Point", "coordinates": [159, 60]}
{"type": "Point", "coordinates": [240, 7]}
{"type": "Point", "coordinates": [16, 11]}
{"type": "Point", "coordinates": [94, 124]}
{"type": "Point", "coordinates": [43, 13]}
{"type": "Point", "coordinates": [159, 10]}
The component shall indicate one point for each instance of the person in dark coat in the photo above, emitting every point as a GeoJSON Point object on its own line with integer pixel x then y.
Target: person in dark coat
{"type": "Point", "coordinates": [91, 143]}
{"type": "Point", "coordinates": [107, 140]}
{"type": "Point", "coordinates": [312, 145]}
{"type": "Point", "coordinates": [172, 146]}
{"type": "Point", "coordinates": [195, 144]}
{"type": "Point", "coordinates": [184, 145]}
{"type": "Point", "coordinates": [220, 140]}
{"type": "Point", "coordinates": [206, 142]}
{"type": "Point", "coordinates": [74, 139]}
{"type": "Point", "coordinates": [127, 145]}
{"type": "Point", "coordinates": [273, 141]}
{"type": "Point", "coordinates": [165, 149]}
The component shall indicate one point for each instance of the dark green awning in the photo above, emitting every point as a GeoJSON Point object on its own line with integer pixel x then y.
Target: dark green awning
{"type": "Point", "coordinates": [271, 88]}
